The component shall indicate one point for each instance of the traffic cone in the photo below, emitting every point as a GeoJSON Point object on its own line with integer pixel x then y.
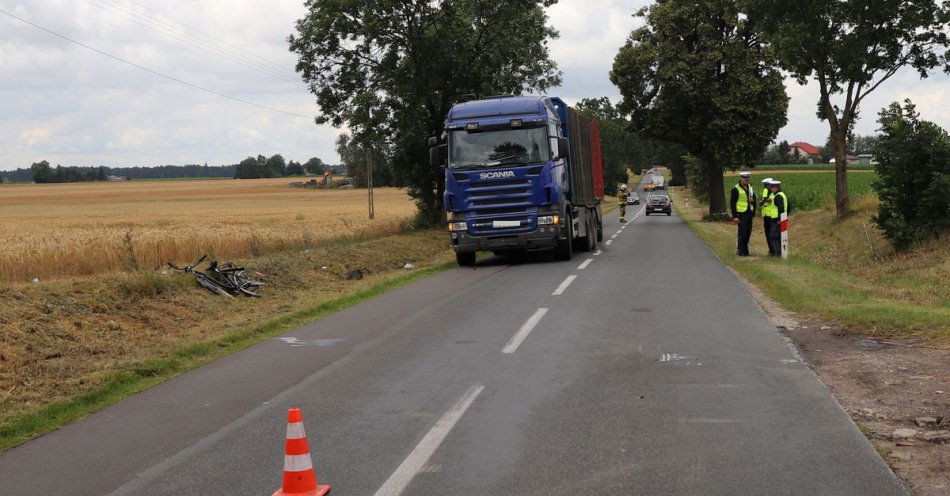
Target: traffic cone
{"type": "Point", "coordinates": [299, 478]}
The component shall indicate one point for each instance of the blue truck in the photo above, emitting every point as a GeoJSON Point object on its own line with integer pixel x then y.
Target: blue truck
{"type": "Point", "coordinates": [522, 173]}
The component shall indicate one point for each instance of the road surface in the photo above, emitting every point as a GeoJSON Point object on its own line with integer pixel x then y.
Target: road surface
{"type": "Point", "coordinates": [643, 368]}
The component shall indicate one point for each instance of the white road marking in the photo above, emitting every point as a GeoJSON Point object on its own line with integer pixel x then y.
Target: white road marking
{"type": "Point", "coordinates": [585, 264]}
{"type": "Point", "coordinates": [598, 252]}
{"type": "Point", "coordinates": [323, 343]}
{"type": "Point", "coordinates": [608, 242]}
{"type": "Point", "coordinates": [614, 236]}
{"type": "Point", "coordinates": [563, 287]}
{"type": "Point", "coordinates": [417, 459]}
{"type": "Point", "coordinates": [522, 333]}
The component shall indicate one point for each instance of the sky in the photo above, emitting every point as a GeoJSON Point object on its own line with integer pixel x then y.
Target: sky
{"type": "Point", "coordinates": [72, 106]}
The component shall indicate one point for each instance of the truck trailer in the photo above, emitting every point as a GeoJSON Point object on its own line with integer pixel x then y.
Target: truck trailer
{"type": "Point", "coordinates": [522, 173]}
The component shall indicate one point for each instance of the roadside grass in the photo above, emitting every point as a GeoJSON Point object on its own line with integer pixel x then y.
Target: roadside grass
{"type": "Point", "coordinates": [73, 347]}
{"type": "Point", "coordinates": [842, 272]}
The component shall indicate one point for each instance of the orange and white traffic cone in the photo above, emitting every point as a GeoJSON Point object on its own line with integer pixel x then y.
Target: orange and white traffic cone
{"type": "Point", "coordinates": [299, 478]}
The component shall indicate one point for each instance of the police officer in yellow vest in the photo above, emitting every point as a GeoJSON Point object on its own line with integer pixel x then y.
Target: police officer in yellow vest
{"type": "Point", "coordinates": [742, 204]}
{"type": "Point", "coordinates": [774, 211]}
{"type": "Point", "coordinates": [763, 203]}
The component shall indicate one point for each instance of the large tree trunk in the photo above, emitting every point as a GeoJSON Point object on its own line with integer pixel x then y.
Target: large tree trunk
{"type": "Point", "coordinates": [839, 143]}
{"type": "Point", "coordinates": [717, 197]}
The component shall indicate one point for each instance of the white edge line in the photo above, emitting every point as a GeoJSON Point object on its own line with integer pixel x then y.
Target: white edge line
{"type": "Point", "coordinates": [585, 264]}
{"type": "Point", "coordinates": [399, 480]}
{"type": "Point", "coordinates": [523, 332]}
{"type": "Point", "coordinates": [563, 287]}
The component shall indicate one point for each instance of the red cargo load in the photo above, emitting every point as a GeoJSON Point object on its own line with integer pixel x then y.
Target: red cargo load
{"type": "Point", "coordinates": [597, 168]}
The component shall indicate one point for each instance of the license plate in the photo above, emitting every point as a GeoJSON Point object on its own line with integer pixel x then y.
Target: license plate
{"type": "Point", "coordinates": [497, 224]}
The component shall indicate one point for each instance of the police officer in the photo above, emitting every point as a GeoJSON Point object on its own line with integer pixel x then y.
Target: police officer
{"type": "Point", "coordinates": [765, 203]}
{"type": "Point", "coordinates": [622, 196]}
{"type": "Point", "coordinates": [779, 206]}
{"type": "Point", "coordinates": [742, 204]}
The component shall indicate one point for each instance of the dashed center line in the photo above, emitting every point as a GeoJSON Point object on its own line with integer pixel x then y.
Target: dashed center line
{"type": "Point", "coordinates": [399, 480]}
{"type": "Point", "coordinates": [585, 264]}
{"type": "Point", "coordinates": [563, 287]}
{"type": "Point", "coordinates": [607, 243]}
{"type": "Point", "coordinates": [598, 252]}
{"type": "Point", "coordinates": [523, 332]}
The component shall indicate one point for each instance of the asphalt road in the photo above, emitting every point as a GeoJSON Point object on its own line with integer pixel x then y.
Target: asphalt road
{"type": "Point", "coordinates": [645, 368]}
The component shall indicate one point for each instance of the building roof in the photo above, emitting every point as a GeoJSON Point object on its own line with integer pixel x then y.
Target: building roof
{"type": "Point", "coordinates": [806, 147]}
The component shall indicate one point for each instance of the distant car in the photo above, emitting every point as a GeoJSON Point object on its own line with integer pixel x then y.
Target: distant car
{"type": "Point", "coordinates": [659, 182]}
{"type": "Point", "coordinates": [633, 199]}
{"type": "Point", "coordinates": [649, 186]}
{"type": "Point", "coordinates": [659, 203]}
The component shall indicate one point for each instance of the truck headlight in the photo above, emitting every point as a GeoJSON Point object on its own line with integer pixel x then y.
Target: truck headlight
{"type": "Point", "coordinates": [457, 226]}
{"type": "Point", "coordinates": [546, 220]}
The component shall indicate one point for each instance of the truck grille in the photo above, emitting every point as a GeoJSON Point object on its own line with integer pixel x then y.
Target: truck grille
{"type": "Point", "coordinates": [508, 196]}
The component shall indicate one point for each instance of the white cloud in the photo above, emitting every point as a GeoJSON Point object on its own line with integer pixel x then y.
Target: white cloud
{"type": "Point", "coordinates": [68, 105]}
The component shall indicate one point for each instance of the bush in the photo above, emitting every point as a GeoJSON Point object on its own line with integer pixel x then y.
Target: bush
{"type": "Point", "coordinates": [914, 177]}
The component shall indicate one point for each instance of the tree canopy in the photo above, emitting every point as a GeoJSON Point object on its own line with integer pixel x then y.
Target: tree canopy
{"type": "Point", "coordinates": [849, 49]}
{"type": "Point", "coordinates": [698, 74]}
{"type": "Point", "coordinates": [394, 68]}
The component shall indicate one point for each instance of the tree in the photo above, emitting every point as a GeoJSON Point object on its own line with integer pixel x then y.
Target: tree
{"type": "Point", "coordinates": [390, 70]}
{"type": "Point", "coordinates": [849, 49]}
{"type": "Point", "coordinates": [295, 169]}
{"type": "Point", "coordinates": [274, 166]}
{"type": "Point", "coordinates": [42, 173]}
{"type": "Point", "coordinates": [314, 166]}
{"type": "Point", "coordinates": [784, 148]}
{"type": "Point", "coordinates": [249, 168]}
{"type": "Point", "coordinates": [697, 74]}
{"type": "Point", "coordinates": [863, 144]}
{"type": "Point", "coordinates": [913, 172]}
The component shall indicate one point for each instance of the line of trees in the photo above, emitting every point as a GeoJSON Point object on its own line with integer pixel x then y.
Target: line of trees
{"type": "Point", "coordinates": [275, 166]}
{"type": "Point", "coordinates": [706, 74]}
{"type": "Point", "coordinates": [43, 172]}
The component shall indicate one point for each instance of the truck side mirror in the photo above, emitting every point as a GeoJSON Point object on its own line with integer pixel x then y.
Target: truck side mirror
{"type": "Point", "coordinates": [437, 155]}
{"type": "Point", "coordinates": [563, 148]}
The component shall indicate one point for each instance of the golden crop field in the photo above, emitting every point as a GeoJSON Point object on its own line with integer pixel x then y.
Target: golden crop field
{"type": "Point", "coordinates": [60, 230]}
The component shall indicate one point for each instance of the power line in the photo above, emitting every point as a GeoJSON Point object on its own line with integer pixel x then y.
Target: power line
{"type": "Point", "coordinates": [166, 76]}
{"type": "Point", "coordinates": [211, 36]}
{"type": "Point", "coordinates": [208, 47]}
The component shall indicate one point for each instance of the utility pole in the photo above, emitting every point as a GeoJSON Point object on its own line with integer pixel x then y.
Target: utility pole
{"type": "Point", "coordinates": [369, 180]}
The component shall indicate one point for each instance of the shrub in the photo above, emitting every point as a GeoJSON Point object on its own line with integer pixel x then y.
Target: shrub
{"type": "Point", "coordinates": [914, 177]}
{"type": "Point", "coordinates": [697, 177]}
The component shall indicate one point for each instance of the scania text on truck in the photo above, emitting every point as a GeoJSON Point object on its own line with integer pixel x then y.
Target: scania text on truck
{"type": "Point", "coordinates": [521, 173]}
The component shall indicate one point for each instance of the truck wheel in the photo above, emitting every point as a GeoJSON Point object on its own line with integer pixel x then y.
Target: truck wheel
{"type": "Point", "coordinates": [600, 229]}
{"type": "Point", "coordinates": [465, 259]}
{"type": "Point", "coordinates": [583, 243]}
{"type": "Point", "coordinates": [592, 233]}
{"type": "Point", "coordinates": [565, 247]}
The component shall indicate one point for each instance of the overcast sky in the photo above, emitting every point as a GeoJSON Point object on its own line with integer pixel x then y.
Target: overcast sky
{"type": "Point", "coordinates": [70, 105]}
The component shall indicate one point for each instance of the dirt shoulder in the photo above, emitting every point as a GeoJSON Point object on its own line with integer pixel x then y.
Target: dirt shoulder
{"type": "Point", "coordinates": [896, 390]}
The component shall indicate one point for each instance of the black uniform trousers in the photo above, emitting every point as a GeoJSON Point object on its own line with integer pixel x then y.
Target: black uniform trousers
{"type": "Point", "coordinates": [745, 232]}
{"type": "Point", "coordinates": [767, 223]}
{"type": "Point", "coordinates": [775, 238]}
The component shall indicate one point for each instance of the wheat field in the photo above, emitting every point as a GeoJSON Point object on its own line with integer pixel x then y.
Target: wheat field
{"type": "Point", "coordinates": [50, 231]}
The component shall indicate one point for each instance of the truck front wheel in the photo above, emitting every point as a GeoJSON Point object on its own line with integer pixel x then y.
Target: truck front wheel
{"type": "Point", "coordinates": [465, 259]}
{"type": "Point", "coordinates": [565, 247]}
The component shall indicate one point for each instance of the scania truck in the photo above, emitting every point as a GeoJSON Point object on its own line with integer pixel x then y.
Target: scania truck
{"type": "Point", "coordinates": [522, 173]}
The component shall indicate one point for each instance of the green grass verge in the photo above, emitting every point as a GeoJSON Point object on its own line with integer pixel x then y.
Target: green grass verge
{"type": "Point", "coordinates": [802, 286]}
{"type": "Point", "coordinates": [140, 376]}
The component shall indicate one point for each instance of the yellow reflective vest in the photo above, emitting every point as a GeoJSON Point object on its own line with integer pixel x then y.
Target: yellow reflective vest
{"type": "Point", "coordinates": [742, 204]}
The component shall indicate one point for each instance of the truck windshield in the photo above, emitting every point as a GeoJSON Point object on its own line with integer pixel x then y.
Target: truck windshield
{"type": "Point", "coordinates": [509, 146]}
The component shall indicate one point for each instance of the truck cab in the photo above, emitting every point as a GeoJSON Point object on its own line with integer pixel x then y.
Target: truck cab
{"type": "Point", "coordinates": [511, 183]}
